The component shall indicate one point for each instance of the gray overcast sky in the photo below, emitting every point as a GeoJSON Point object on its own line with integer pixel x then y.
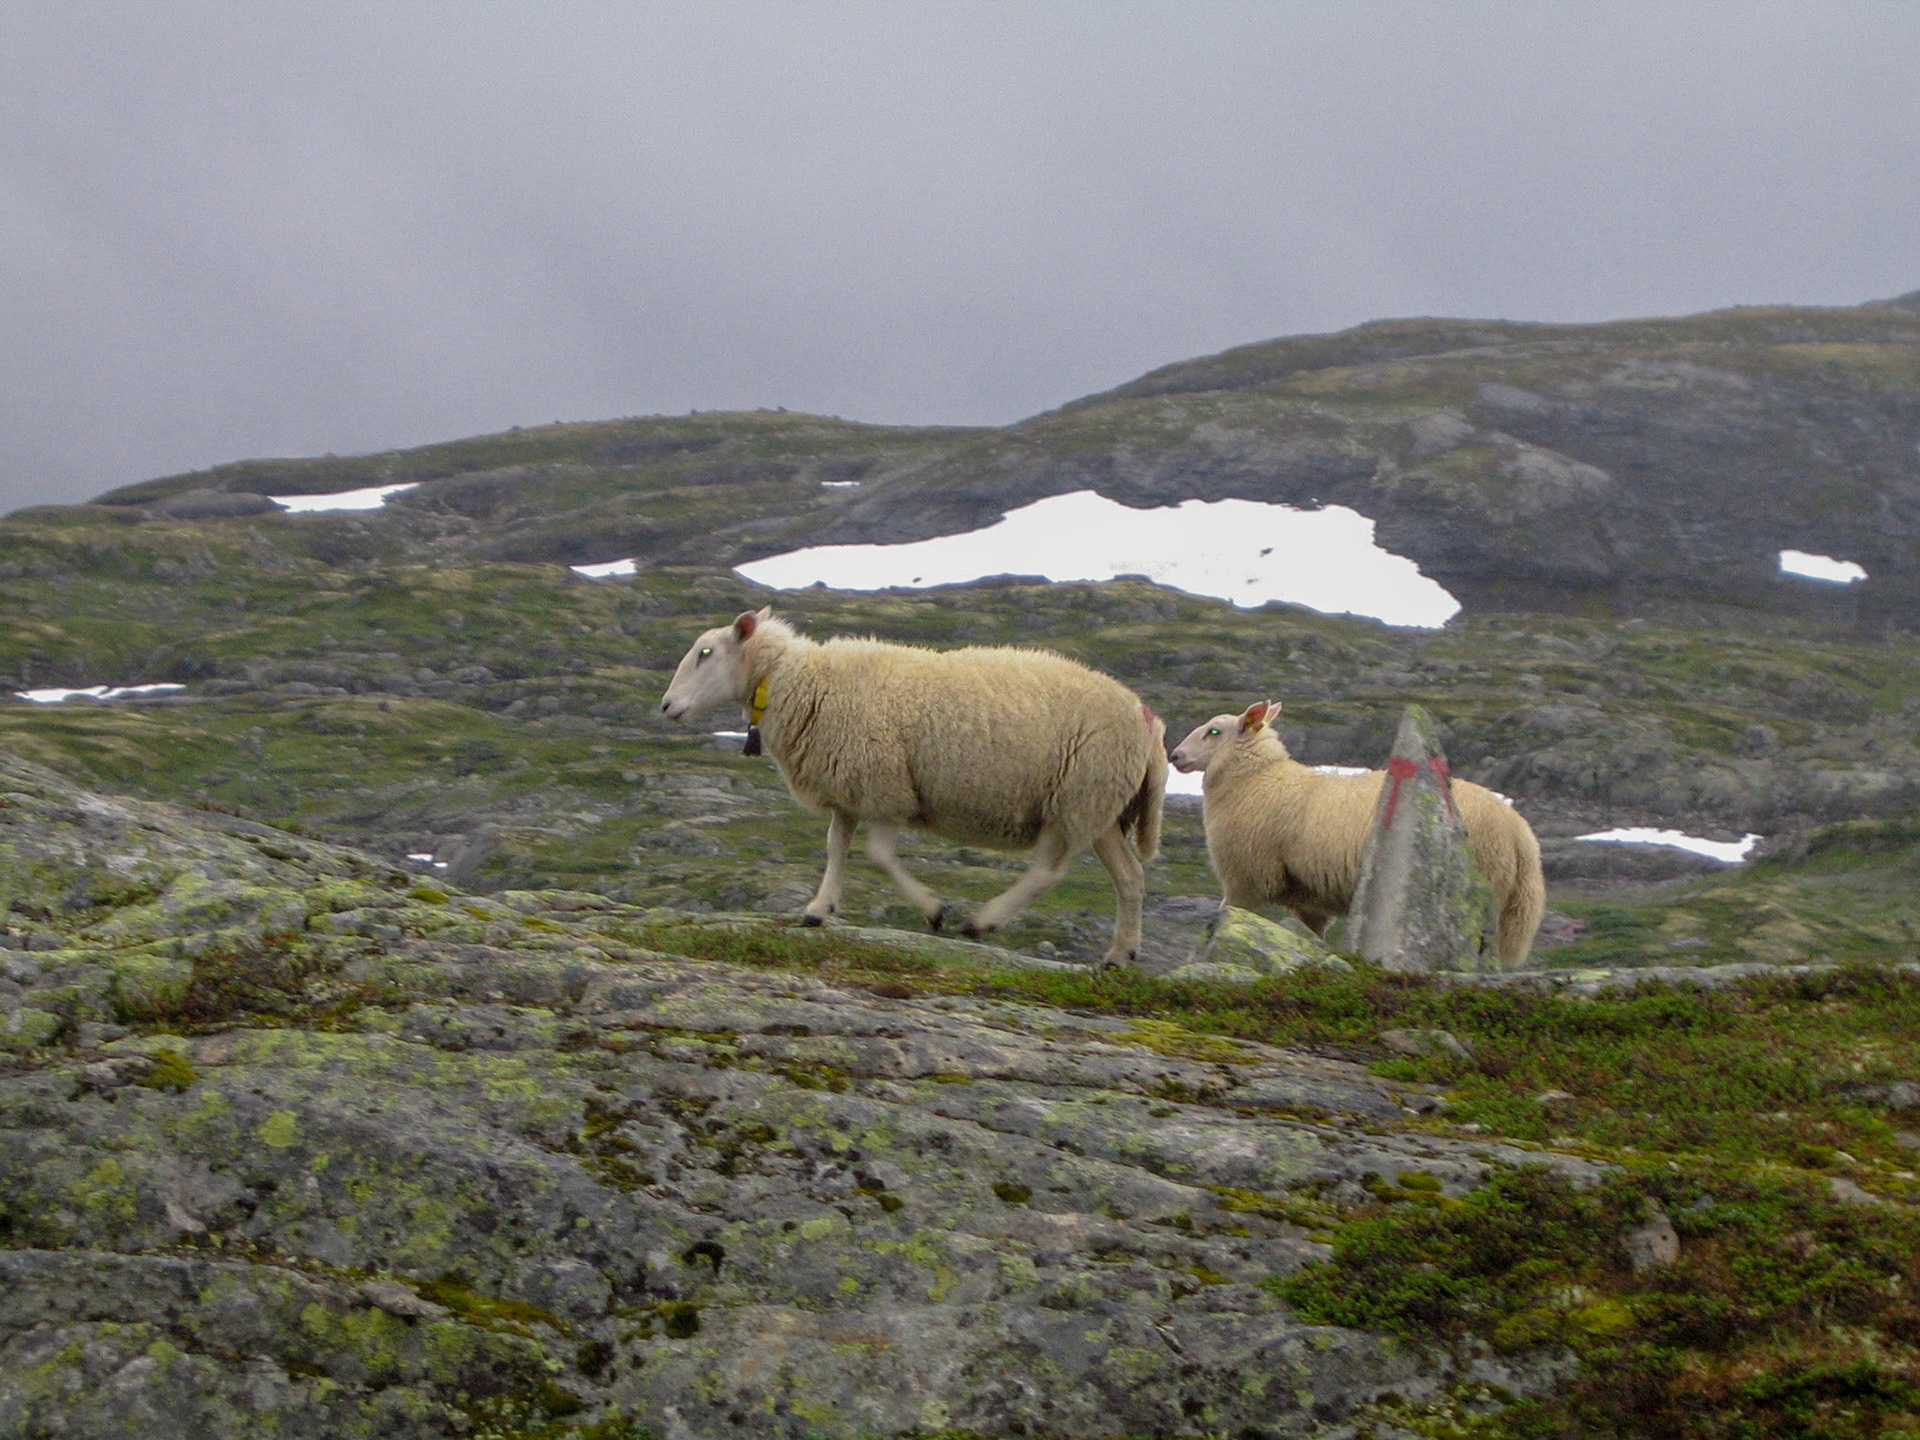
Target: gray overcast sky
{"type": "Point", "coordinates": [240, 230]}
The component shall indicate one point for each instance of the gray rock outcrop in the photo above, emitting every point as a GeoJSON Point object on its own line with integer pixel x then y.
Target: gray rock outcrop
{"type": "Point", "coordinates": [301, 1144]}
{"type": "Point", "coordinates": [1421, 903]}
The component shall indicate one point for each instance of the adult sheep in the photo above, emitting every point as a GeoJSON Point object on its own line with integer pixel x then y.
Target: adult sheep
{"type": "Point", "coordinates": [1283, 833]}
{"type": "Point", "coordinates": [996, 747]}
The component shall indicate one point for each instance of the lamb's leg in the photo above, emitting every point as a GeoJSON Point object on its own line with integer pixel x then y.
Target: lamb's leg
{"type": "Point", "coordinates": [880, 842]}
{"type": "Point", "coordinates": [1044, 870]}
{"type": "Point", "coordinates": [1318, 921]}
{"type": "Point", "coordinates": [826, 900]}
{"type": "Point", "coordinates": [1130, 886]}
{"type": "Point", "coordinates": [1241, 898]}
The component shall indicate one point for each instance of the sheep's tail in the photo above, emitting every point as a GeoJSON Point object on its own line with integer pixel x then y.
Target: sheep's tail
{"type": "Point", "coordinates": [1526, 902]}
{"type": "Point", "coordinates": [1141, 818]}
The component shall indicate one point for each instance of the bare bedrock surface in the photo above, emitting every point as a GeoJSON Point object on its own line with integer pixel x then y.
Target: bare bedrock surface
{"type": "Point", "coordinates": [532, 1173]}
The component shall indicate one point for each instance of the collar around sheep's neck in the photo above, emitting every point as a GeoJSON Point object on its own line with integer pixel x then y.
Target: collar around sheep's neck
{"type": "Point", "coordinates": [755, 709]}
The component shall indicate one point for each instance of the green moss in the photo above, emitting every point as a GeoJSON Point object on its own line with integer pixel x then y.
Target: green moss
{"type": "Point", "coordinates": [169, 1071]}
{"type": "Point", "coordinates": [680, 1319]}
{"type": "Point", "coordinates": [492, 1312]}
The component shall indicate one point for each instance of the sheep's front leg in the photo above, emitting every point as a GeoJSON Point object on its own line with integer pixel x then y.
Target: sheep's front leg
{"type": "Point", "coordinates": [880, 842]}
{"type": "Point", "coordinates": [1116, 852]}
{"type": "Point", "coordinates": [826, 900]}
{"type": "Point", "coordinates": [1044, 870]}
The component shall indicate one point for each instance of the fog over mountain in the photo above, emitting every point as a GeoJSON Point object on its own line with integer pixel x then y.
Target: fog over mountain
{"type": "Point", "coordinates": [231, 231]}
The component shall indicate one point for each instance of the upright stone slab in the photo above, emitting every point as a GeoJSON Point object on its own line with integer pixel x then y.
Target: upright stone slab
{"type": "Point", "coordinates": [1422, 903]}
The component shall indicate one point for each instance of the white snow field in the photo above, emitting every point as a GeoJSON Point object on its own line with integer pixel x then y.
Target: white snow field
{"type": "Point", "coordinates": [1178, 784]}
{"type": "Point", "coordinates": [372, 498]}
{"type": "Point", "coordinates": [1244, 551]}
{"type": "Point", "coordinates": [96, 692]}
{"type": "Point", "coordinates": [1820, 567]}
{"type": "Point", "coordinates": [1727, 852]}
{"type": "Point", "coordinates": [604, 569]}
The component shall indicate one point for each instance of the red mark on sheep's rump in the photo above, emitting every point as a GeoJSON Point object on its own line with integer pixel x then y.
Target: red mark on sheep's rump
{"type": "Point", "coordinates": [1146, 713]}
{"type": "Point", "coordinates": [1400, 769]}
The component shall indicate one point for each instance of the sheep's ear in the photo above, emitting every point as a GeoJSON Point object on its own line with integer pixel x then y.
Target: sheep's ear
{"type": "Point", "coordinates": [1256, 715]}
{"type": "Point", "coordinates": [744, 623]}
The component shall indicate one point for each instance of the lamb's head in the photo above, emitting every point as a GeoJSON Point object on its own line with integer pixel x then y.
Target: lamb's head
{"type": "Point", "coordinates": [1208, 739]}
{"type": "Point", "coordinates": [715, 669]}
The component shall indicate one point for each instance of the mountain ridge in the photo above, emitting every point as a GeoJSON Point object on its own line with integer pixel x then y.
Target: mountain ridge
{"type": "Point", "coordinates": [1593, 468]}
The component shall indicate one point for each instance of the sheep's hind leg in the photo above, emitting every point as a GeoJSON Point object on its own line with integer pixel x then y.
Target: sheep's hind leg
{"type": "Point", "coordinates": [826, 900]}
{"type": "Point", "coordinates": [880, 842]}
{"type": "Point", "coordinates": [1116, 852]}
{"type": "Point", "coordinates": [1049, 863]}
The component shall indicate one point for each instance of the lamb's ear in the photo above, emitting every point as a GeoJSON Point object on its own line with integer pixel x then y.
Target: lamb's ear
{"type": "Point", "coordinates": [744, 623]}
{"type": "Point", "coordinates": [1256, 715]}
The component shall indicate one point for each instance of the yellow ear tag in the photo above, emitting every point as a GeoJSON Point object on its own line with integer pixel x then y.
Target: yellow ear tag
{"type": "Point", "coordinates": [754, 712]}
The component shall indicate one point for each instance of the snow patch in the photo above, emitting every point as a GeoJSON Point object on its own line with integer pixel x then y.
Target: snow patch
{"type": "Point", "coordinates": [1178, 784]}
{"type": "Point", "coordinates": [371, 498]}
{"type": "Point", "coordinates": [1727, 852]}
{"type": "Point", "coordinates": [839, 484]}
{"type": "Point", "coordinates": [97, 692]}
{"type": "Point", "coordinates": [605, 568]}
{"type": "Point", "coordinates": [1245, 551]}
{"type": "Point", "coordinates": [1820, 567]}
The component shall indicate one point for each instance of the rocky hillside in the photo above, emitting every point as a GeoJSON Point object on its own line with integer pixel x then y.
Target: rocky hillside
{"type": "Point", "coordinates": [1589, 467]}
{"type": "Point", "coordinates": [427, 678]}
{"type": "Point", "coordinates": [293, 1142]}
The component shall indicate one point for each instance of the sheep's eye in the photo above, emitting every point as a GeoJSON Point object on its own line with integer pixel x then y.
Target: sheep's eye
{"type": "Point", "coordinates": [1213, 732]}
{"type": "Point", "coordinates": [705, 651]}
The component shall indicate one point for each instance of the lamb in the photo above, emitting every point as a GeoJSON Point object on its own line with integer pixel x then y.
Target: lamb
{"type": "Point", "coordinates": [1282, 833]}
{"type": "Point", "coordinates": [997, 747]}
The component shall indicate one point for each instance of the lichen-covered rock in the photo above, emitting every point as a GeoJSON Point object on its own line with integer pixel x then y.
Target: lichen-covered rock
{"type": "Point", "coordinates": [1240, 941]}
{"type": "Point", "coordinates": [748, 1194]}
{"type": "Point", "coordinates": [502, 1167]}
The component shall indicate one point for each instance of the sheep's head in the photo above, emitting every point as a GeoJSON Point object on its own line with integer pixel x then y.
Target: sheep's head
{"type": "Point", "coordinates": [1206, 740]}
{"type": "Point", "coordinates": [714, 670]}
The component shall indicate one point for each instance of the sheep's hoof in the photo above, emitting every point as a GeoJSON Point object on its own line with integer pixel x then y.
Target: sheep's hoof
{"type": "Point", "coordinates": [971, 931]}
{"type": "Point", "coordinates": [936, 920]}
{"type": "Point", "coordinates": [813, 919]}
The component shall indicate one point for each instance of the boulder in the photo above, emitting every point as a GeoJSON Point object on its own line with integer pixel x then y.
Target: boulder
{"type": "Point", "coordinates": [1240, 945]}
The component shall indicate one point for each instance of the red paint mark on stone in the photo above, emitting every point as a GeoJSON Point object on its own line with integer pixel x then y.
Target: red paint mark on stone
{"type": "Point", "coordinates": [1400, 770]}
